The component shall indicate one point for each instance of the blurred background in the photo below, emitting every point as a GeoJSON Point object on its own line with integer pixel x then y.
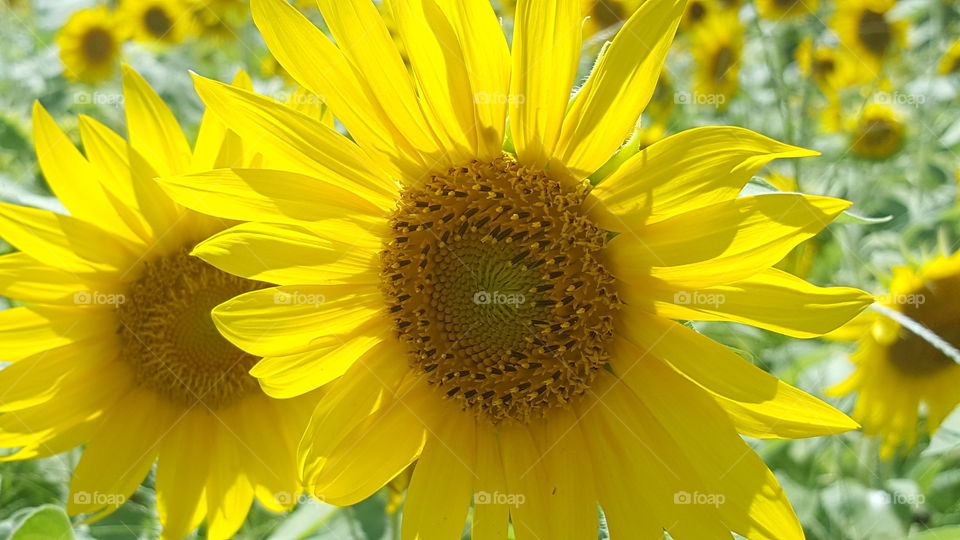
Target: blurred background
{"type": "Point", "coordinates": [871, 84]}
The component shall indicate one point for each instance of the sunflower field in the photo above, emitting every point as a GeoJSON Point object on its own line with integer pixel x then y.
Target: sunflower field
{"type": "Point", "coordinates": [479, 269]}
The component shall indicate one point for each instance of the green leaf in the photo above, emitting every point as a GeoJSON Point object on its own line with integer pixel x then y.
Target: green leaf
{"type": "Point", "coordinates": [951, 532]}
{"type": "Point", "coordinates": [46, 523]}
{"type": "Point", "coordinates": [947, 437]}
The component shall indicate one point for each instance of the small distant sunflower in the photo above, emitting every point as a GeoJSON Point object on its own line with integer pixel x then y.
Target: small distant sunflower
{"type": "Point", "coordinates": [717, 48]}
{"type": "Point", "coordinates": [479, 319]}
{"type": "Point", "coordinates": [158, 21]}
{"type": "Point", "coordinates": [896, 372]}
{"type": "Point", "coordinates": [695, 13]}
{"type": "Point", "coordinates": [115, 348]}
{"type": "Point", "coordinates": [950, 63]}
{"type": "Point", "coordinates": [663, 101]}
{"type": "Point", "coordinates": [89, 45]}
{"type": "Point", "coordinates": [867, 30]}
{"type": "Point", "coordinates": [831, 69]}
{"type": "Point", "coordinates": [779, 10]}
{"type": "Point", "coordinates": [877, 133]}
{"type": "Point", "coordinates": [218, 19]}
{"type": "Point", "coordinates": [605, 14]}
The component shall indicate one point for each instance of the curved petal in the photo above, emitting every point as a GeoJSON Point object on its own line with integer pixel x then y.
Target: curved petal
{"type": "Point", "coordinates": [228, 489]}
{"type": "Point", "coordinates": [24, 278]}
{"type": "Point", "coordinates": [609, 104]}
{"type": "Point", "coordinates": [316, 63]}
{"type": "Point", "coordinates": [489, 520]}
{"type": "Point", "coordinates": [64, 242]}
{"type": "Point", "coordinates": [266, 195]}
{"type": "Point", "coordinates": [153, 130]}
{"type": "Point", "coordinates": [306, 145]}
{"type": "Point", "coordinates": [692, 169]}
{"type": "Point", "coordinates": [333, 252]}
{"type": "Point", "coordinates": [29, 330]}
{"type": "Point", "coordinates": [288, 320]}
{"type": "Point", "coordinates": [760, 404]}
{"type": "Point", "coordinates": [722, 243]}
{"type": "Point", "coordinates": [487, 59]}
{"type": "Point", "coordinates": [182, 474]}
{"type": "Point", "coordinates": [546, 53]}
{"type": "Point", "coordinates": [772, 299]}
{"type": "Point", "coordinates": [754, 504]}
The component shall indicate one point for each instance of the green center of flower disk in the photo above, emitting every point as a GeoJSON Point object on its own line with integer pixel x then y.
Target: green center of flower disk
{"type": "Point", "coordinates": [874, 31]}
{"type": "Point", "coordinates": [97, 45]}
{"type": "Point", "coordinates": [157, 22]}
{"type": "Point", "coordinates": [170, 340]}
{"type": "Point", "coordinates": [495, 281]}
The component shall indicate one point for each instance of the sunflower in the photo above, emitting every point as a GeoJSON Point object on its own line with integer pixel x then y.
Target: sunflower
{"type": "Point", "coordinates": [604, 14]}
{"type": "Point", "coordinates": [717, 49]}
{"type": "Point", "coordinates": [868, 32]}
{"type": "Point", "coordinates": [89, 45]}
{"type": "Point", "coordinates": [218, 19]}
{"type": "Point", "coordinates": [877, 133]}
{"type": "Point", "coordinates": [116, 349]}
{"type": "Point", "coordinates": [831, 69]}
{"type": "Point", "coordinates": [480, 319]}
{"type": "Point", "coordinates": [158, 21]}
{"type": "Point", "coordinates": [895, 370]}
{"type": "Point", "coordinates": [696, 12]}
{"type": "Point", "coordinates": [950, 63]}
{"type": "Point", "coordinates": [779, 10]}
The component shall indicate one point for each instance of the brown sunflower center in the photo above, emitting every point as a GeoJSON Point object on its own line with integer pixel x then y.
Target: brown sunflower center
{"type": "Point", "coordinates": [824, 67]}
{"type": "Point", "coordinates": [877, 131]}
{"type": "Point", "coordinates": [955, 67]}
{"type": "Point", "coordinates": [169, 338]}
{"type": "Point", "coordinates": [607, 13]}
{"type": "Point", "coordinates": [97, 45]}
{"type": "Point", "coordinates": [495, 282]}
{"type": "Point", "coordinates": [874, 31]}
{"type": "Point", "coordinates": [722, 62]}
{"type": "Point", "coordinates": [157, 22]}
{"type": "Point", "coordinates": [936, 307]}
{"type": "Point", "coordinates": [787, 4]}
{"type": "Point", "coordinates": [696, 11]}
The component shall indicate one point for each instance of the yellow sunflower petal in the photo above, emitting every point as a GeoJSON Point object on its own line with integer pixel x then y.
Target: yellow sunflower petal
{"type": "Point", "coordinates": [182, 474]}
{"type": "Point", "coordinates": [28, 330]}
{"type": "Point", "coordinates": [286, 320]}
{"type": "Point", "coordinates": [357, 467]}
{"type": "Point", "coordinates": [120, 454]}
{"type": "Point", "coordinates": [153, 130]}
{"type": "Point", "coordinates": [692, 169]}
{"type": "Point", "coordinates": [771, 299]}
{"type": "Point", "coordinates": [70, 176]}
{"type": "Point", "coordinates": [26, 279]}
{"type": "Point", "coordinates": [228, 489]}
{"type": "Point", "coordinates": [722, 243]}
{"type": "Point", "coordinates": [609, 104]}
{"type": "Point", "coordinates": [760, 404]}
{"type": "Point", "coordinates": [64, 242]}
{"type": "Point", "coordinates": [316, 63]}
{"type": "Point", "coordinates": [442, 485]}
{"type": "Point", "coordinates": [40, 377]}
{"type": "Point", "coordinates": [541, 83]}
{"type": "Point", "coordinates": [754, 504]}
{"type": "Point", "coordinates": [487, 59]}
{"type": "Point", "coordinates": [489, 520]}
{"type": "Point", "coordinates": [364, 40]}
{"type": "Point", "coordinates": [442, 76]}
{"type": "Point", "coordinates": [265, 195]}
{"type": "Point", "coordinates": [307, 146]}
{"type": "Point", "coordinates": [338, 252]}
